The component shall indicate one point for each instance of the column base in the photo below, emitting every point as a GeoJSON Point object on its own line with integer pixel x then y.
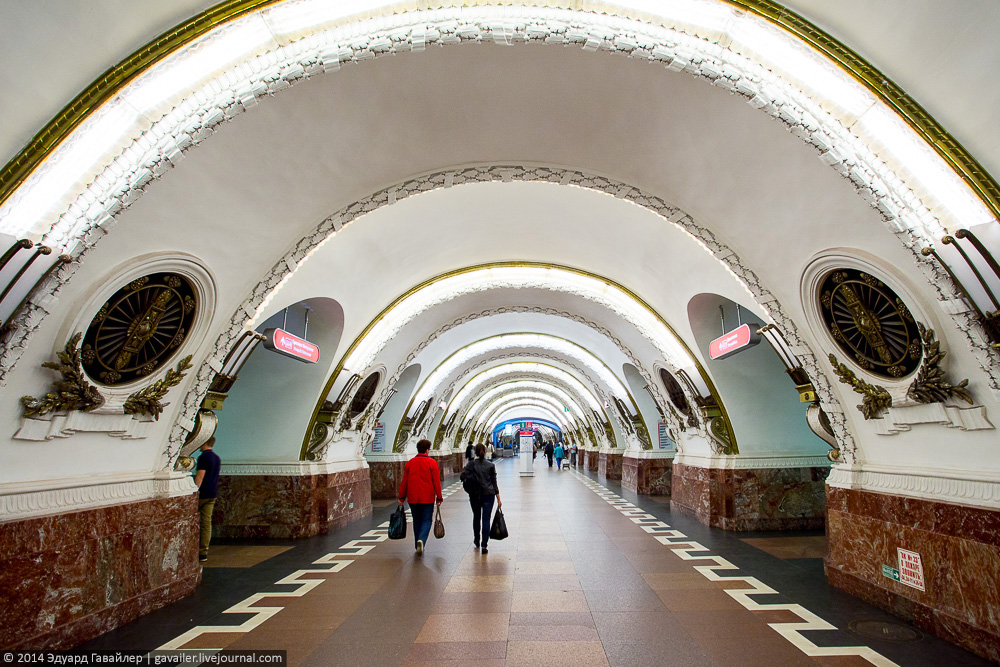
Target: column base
{"type": "Point", "coordinates": [70, 577]}
{"type": "Point", "coordinates": [959, 556]}
{"type": "Point", "coordinates": [647, 475]}
{"type": "Point", "coordinates": [609, 465]}
{"type": "Point", "coordinates": [750, 499]}
{"type": "Point", "coordinates": [290, 506]}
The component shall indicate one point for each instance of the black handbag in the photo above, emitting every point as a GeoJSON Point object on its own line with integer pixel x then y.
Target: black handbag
{"type": "Point", "coordinates": [498, 531]}
{"type": "Point", "coordinates": [397, 524]}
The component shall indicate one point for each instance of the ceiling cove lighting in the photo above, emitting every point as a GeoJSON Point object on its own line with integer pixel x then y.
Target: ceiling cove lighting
{"type": "Point", "coordinates": [507, 402]}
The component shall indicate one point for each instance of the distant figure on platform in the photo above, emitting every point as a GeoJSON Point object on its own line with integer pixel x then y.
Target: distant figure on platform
{"type": "Point", "coordinates": [468, 452]}
{"type": "Point", "coordinates": [484, 477]}
{"type": "Point", "coordinates": [207, 481]}
{"type": "Point", "coordinates": [421, 485]}
{"type": "Point", "coordinates": [491, 451]}
{"type": "Point", "coordinates": [572, 454]}
{"type": "Point", "coordinates": [560, 455]}
{"type": "Point", "coordinates": [549, 452]}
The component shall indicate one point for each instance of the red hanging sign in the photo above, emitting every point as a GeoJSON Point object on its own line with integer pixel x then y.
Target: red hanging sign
{"type": "Point", "coordinates": [282, 342]}
{"type": "Point", "coordinates": [735, 341]}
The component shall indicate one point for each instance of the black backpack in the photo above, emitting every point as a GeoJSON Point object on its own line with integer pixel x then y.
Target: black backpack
{"type": "Point", "coordinates": [469, 482]}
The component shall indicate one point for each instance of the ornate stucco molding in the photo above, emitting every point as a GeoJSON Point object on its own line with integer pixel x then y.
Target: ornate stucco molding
{"type": "Point", "coordinates": [24, 501]}
{"type": "Point", "coordinates": [961, 489]}
{"type": "Point", "coordinates": [749, 461]}
{"type": "Point", "coordinates": [294, 469]}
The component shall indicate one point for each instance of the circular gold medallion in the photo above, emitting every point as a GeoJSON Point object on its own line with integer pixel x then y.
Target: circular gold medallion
{"type": "Point", "coordinates": [139, 328]}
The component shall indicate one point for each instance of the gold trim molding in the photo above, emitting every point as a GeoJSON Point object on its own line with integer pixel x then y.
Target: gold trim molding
{"type": "Point", "coordinates": [115, 79]}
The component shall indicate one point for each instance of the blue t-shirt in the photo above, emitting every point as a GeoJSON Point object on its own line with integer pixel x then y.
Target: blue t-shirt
{"type": "Point", "coordinates": [210, 462]}
{"type": "Point", "coordinates": [560, 454]}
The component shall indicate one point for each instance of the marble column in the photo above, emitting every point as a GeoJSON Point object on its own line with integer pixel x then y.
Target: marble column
{"type": "Point", "coordinates": [648, 472]}
{"type": "Point", "coordinates": [289, 500]}
{"type": "Point", "coordinates": [609, 465]}
{"type": "Point", "coordinates": [752, 498]}
{"type": "Point", "coordinates": [446, 463]}
{"type": "Point", "coordinates": [386, 472]}
{"type": "Point", "coordinates": [591, 460]}
{"type": "Point", "coordinates": [959, 549]}
{"type": "Point", "coordinates": [66, 578]}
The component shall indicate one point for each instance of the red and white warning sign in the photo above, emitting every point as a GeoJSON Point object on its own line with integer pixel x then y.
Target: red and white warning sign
{"type": "Point", "coordinates": [911, 570]}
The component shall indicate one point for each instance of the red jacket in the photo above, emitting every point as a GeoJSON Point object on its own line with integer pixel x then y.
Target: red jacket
{"type": "Point", "coordinates": [421, 480]}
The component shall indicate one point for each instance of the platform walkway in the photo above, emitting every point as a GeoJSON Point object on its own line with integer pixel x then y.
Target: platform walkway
{"type": "Point", "coordinates": [588, 577]}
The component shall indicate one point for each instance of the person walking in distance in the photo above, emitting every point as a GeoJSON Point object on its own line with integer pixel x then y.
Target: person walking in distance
{"type": "Point", "coordinates": [560, 454]}
{"type": "Point", "coordinates": [468, 452]}
{"type": "Point", "coordinates": [421, 485]}
{"type": "Point", "coordinates": [480, 479]}
{"type": "Point", "coordinates": [207, 481]}
{"type": "Point", "coordinates": [572, 454]}
{"type": "Point", "coordinates": [491, 452]}
{"type": "Point", "coordinates": [549, 452]}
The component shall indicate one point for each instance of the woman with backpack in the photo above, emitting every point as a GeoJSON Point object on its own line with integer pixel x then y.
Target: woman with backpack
{"type": "Point", "coordinates": [479, 479]}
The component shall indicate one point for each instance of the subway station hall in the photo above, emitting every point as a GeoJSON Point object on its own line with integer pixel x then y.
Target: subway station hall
{"type": "Point", "coordinates": [501, 332]}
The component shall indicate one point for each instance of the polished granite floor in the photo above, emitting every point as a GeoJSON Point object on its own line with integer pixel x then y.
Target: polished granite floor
{"type": "Point", "coordinates": [591, 575]}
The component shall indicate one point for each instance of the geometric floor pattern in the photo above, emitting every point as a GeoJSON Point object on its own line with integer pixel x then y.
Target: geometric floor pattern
{"type": "Point", "coordinates": [590, 575]}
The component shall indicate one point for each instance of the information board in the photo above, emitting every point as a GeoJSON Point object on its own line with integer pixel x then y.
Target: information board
{"type": "Point", "coordinates": [664, 439]}
{"type": "Point", "coordinates": [736, 340]}
{"type": "Point", "coordinates": [378, 443]}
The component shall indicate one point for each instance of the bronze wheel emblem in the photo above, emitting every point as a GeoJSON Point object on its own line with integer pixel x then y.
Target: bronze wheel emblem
{"type": "Point", "coordinates": [139, 328]}
{"type": "Point", "coordinates": [870, 323]}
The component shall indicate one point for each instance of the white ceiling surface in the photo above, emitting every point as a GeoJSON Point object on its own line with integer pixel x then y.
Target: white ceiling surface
{"type": "Point", "coordinates": [943, 54]}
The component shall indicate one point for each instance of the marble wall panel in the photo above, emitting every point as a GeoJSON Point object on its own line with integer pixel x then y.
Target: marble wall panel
{"type": "Point", "coordinates": [651, 477]}
{"type": "Point", "coordinates": [591, 460]}
{"type": "Point", "coordinates": [67, 578]}
{"type": "Point", "coordinates": [386, 477]}
{"type": "Point", "coordinates": [960, 554]}
{"type": "Point", "coordinates": [751, 499]}
{"type": "Point", "coordinates": [287, 506]}
{"type": "Point", "coordinates": [609, 465]}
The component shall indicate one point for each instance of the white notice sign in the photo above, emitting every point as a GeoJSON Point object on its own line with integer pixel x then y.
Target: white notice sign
{"type": "Point", "coordinates": [378, 442]}
{"type": "Point", "coordinates": [911, 570]}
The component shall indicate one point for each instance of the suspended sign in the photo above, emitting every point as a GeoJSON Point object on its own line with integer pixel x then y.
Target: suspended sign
{"type": "Point", "coordinates": [735, 341]}
{"type": "Point", "coordinates": [282, 342]}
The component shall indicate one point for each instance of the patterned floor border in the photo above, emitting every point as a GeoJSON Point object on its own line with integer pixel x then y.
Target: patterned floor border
{"type": "Point", "coordinates": [337, 560]}
{"type": "Point", "coordinates": [685, 549]}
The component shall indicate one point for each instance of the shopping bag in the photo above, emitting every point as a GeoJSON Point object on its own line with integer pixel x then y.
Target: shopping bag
{"type": "Point", "coordinates": [498, 530]}
{"type": "Point", "coordinates": [438, 523]}
{"type": "Point", "coordinates": [397, 524]}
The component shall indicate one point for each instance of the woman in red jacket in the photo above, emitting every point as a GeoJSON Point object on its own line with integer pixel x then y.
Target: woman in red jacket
{"type": "Point", "coordinates": [421, 485]}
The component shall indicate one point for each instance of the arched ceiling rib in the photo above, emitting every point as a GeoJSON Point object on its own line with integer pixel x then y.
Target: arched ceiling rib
{"type": "Point", "coordinates": [513, 342]}
{"type": "Point", "coordinates": [524, 370]}
{"type": "Point", "coordinates": [558, 397]}
{"type": "Point", "coordinates": [487, 419]}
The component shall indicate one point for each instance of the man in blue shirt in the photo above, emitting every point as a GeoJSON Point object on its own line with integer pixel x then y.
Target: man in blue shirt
{"type": "Point", "coordinates": [207, 481]}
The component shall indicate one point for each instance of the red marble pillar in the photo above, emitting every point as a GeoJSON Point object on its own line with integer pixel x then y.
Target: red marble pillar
{"type": "Point", "coordinates": [386, 477]}
{"type": "Point", "coordinates": [647, 476]}
{"type": "Point", "coordinates": [959, 548]}
{"type": "Point", "coordinates": [609, 465]}
{"type": "Point", "coordinates": [591, 460]}
{"type": "Point", "coordinates": [750, 499]}
{"type": "Point", "coordinates": [290, 506]}
{"type": "Point", "coordinates": [70, 577]}
{"type": "Point", "coordinates": [446, 463]}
